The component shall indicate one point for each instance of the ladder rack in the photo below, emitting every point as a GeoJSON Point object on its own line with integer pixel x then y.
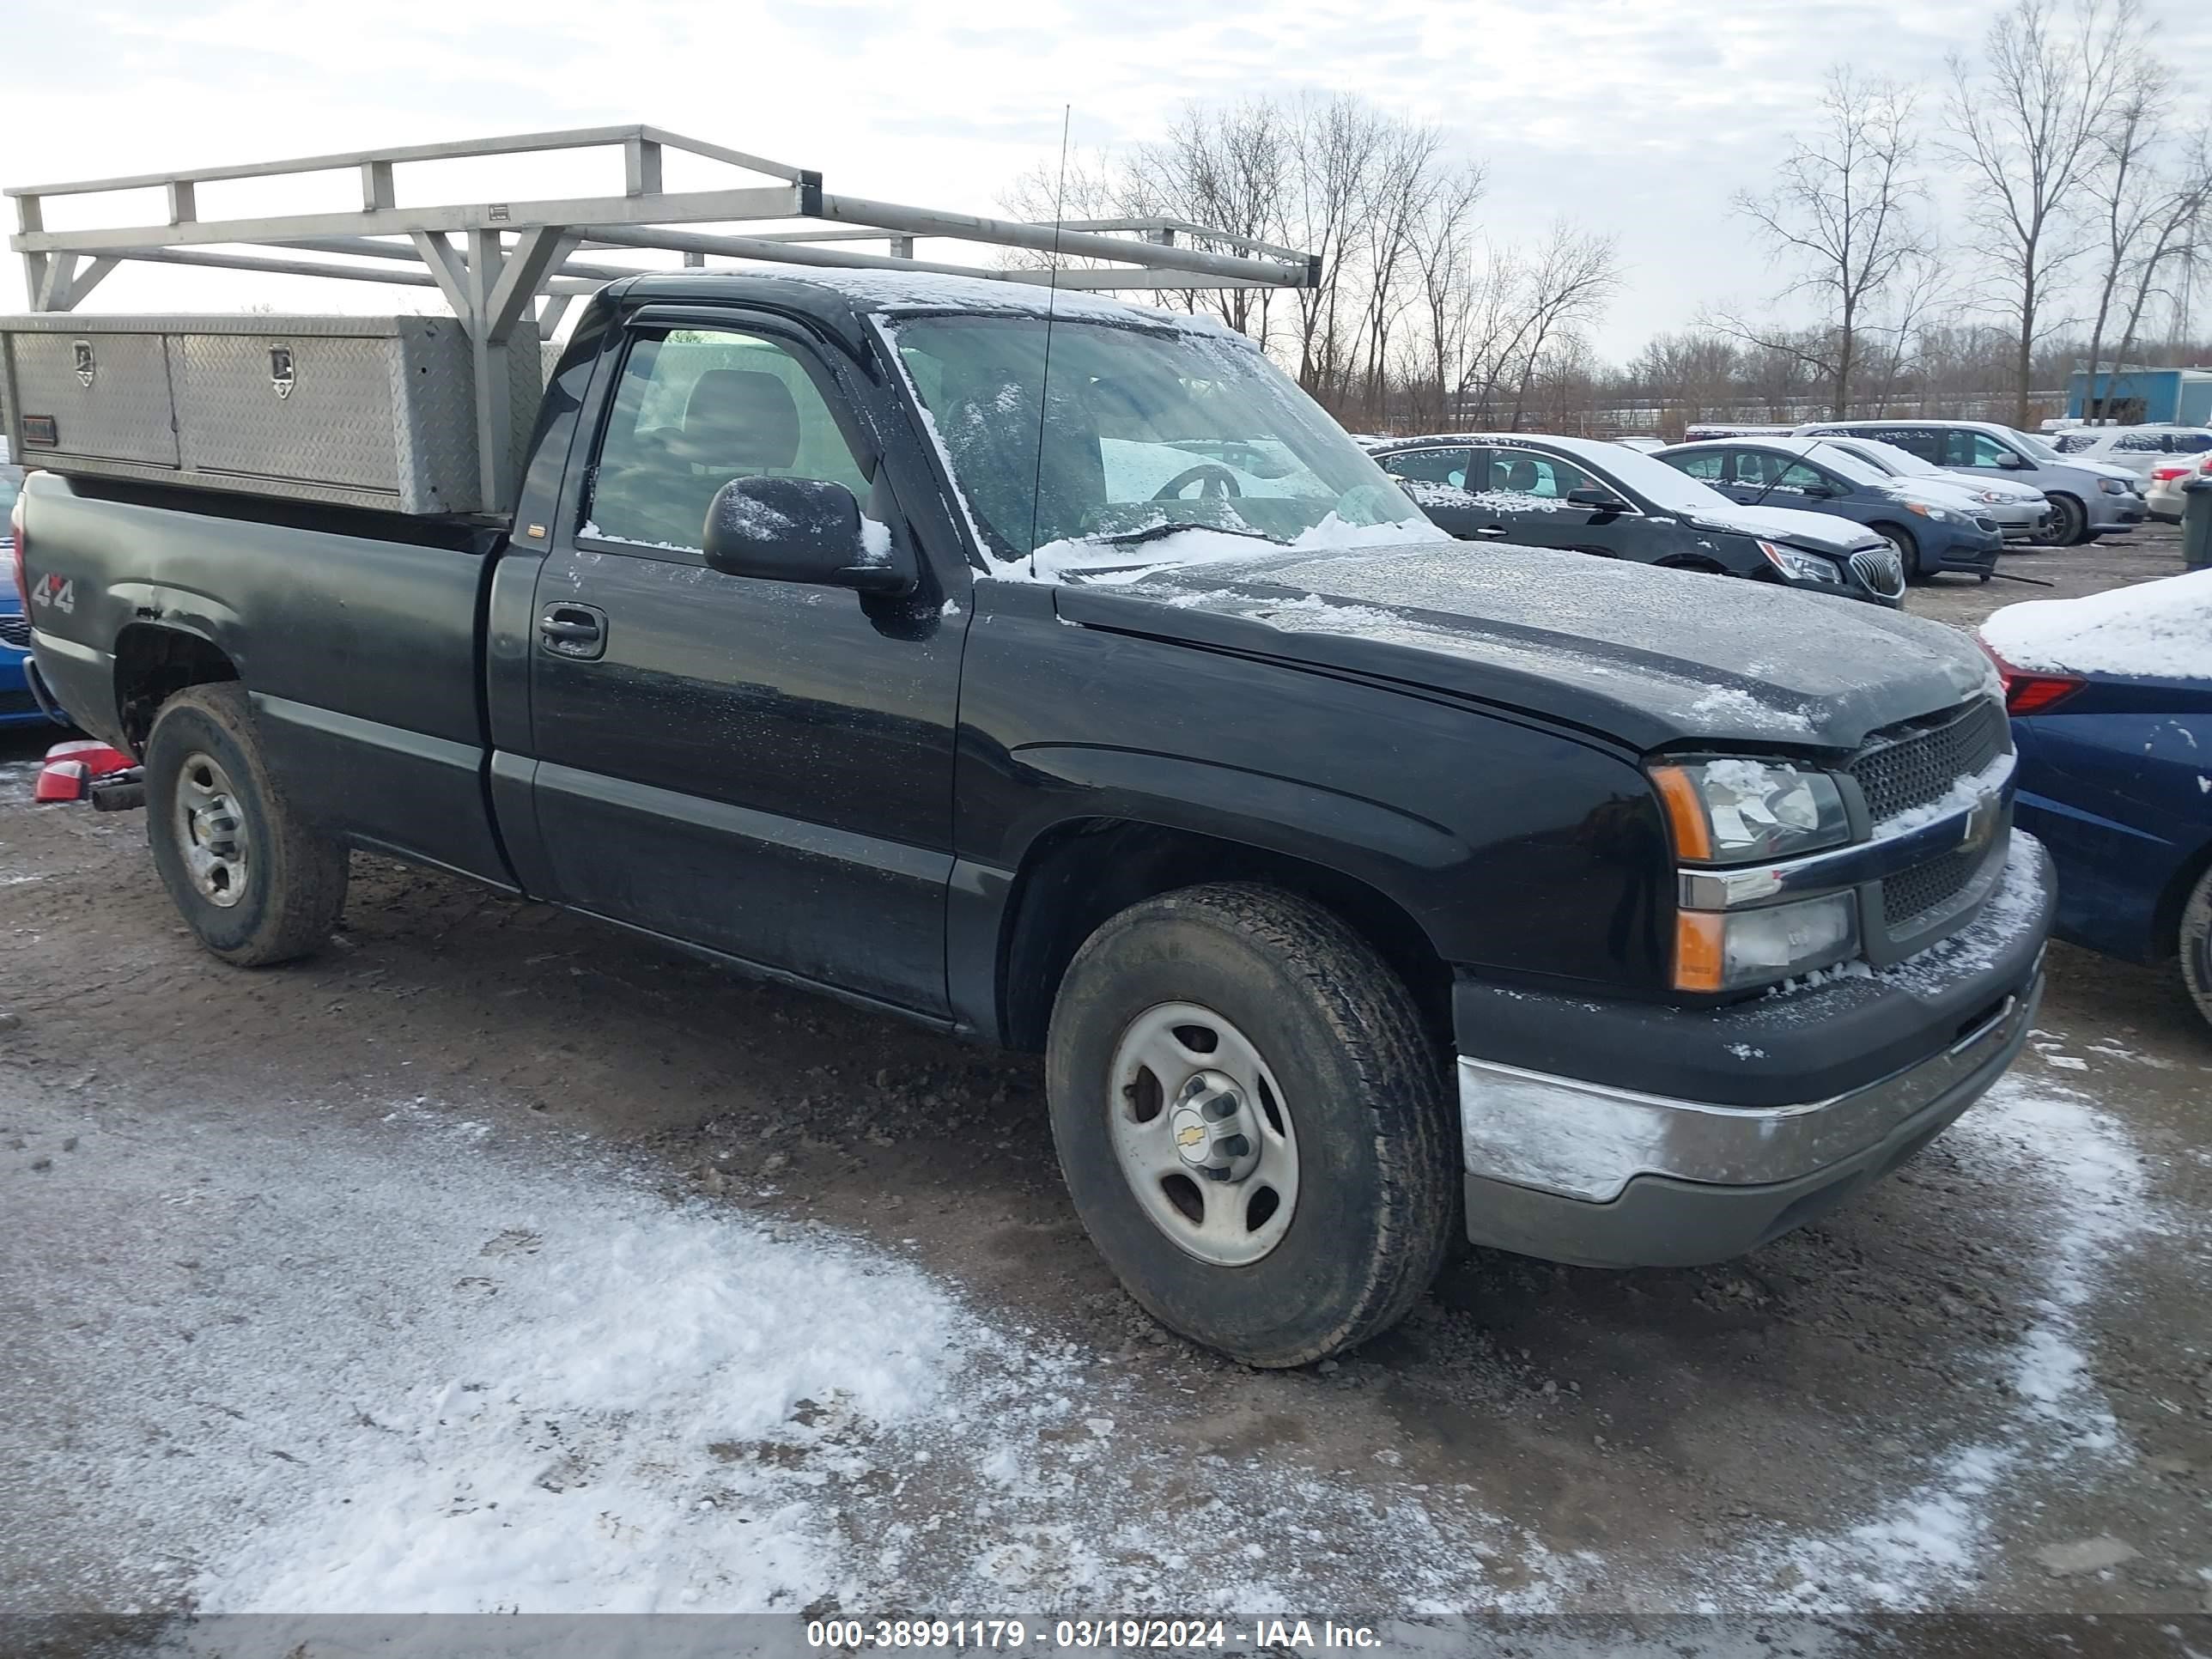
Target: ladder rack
{"type": "Point", "coordinates": [495, 262]}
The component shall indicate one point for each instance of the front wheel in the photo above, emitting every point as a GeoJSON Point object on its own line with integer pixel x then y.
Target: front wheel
{"type": "Point", "coordinates": [2196, 945]}
{"type": "Point", "coordinates": [2069, 523]}
{"type": "Point", "coordinates": [1254, 1126]}
{"type": "Point", "coordinates": [254, 882]}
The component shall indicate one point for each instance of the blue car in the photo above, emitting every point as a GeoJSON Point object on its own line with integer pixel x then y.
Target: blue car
{"type": "Point", "coordinates": [17, 706]}
{"type": "Point", "coordinates": [1933, 526]}
{"type": "Point", "coordinates": [2111, 712]}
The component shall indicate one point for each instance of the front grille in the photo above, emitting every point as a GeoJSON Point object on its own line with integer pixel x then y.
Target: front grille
{"type": "Point", "coordinates": [1908, 766]}
{"type": "Point", "coordinates": [1881, 569]}
{"type": "Point", "coordinates": [15, 631]}
{"type": "Point", "coordinates": [1912, 894]}
{"type": "Point", "coordinates": [1989, 527]}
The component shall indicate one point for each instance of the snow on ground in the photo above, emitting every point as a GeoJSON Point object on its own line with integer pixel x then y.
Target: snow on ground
{"type": "Point", "coordinates": [484, 1371]}
{"type": "Point", "coordinates": [2160, 629]}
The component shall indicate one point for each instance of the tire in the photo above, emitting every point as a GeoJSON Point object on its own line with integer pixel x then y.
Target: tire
{"type": "Point", "coordinates": [2069, 523]}
{"type": "Point", "coordinates": [1350, 1084]}
{"type": "Point", "coordinates": [255, 883]}
{"type": "Point", "coordinates": [2196, 945]}
{"type": "Point", "coordinates": [1907, 546]}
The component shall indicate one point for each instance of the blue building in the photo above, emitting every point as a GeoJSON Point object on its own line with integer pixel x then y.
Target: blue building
{"type": "Point", "coordinates": [2153, 397]}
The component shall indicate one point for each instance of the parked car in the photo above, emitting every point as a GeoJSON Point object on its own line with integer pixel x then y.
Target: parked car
{"type": "Point", "coordinates": [2163, 495]}
{"type": "Point", "coordinates": [2088, 498]}
{"type": "Point", "coordinates": [1596, 497]}
{"type": "Point", "coordinates": [2021, 511]}
{"type": "Point", "coordinates": [1355, 884]}
{"type": "Point", "coordinates": [1931, 527]}
{"type": "Point", "coordinates": [2137, 448]}
{"type": "Point", "coordinates": [2112, 711]}
{"type": "Point", "coordinates": [17, 706]}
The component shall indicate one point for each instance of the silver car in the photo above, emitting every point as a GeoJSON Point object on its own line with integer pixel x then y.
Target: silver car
{"type": "Point", "coordinates": [2088, 499]}
{"type": "Point", "coordinates": [2021, 511]}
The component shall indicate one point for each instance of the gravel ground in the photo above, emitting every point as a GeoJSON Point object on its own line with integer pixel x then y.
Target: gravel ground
{"type": "Point", "coordinates": [306, 1272]}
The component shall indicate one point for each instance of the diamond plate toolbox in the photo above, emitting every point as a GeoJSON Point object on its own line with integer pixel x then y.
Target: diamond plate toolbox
{"type": "Point", "coordinates": [356, 411]}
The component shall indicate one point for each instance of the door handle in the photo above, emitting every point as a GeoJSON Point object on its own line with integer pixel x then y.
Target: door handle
{"type": "Point", "coordinates": [574, 630]}
{"type": "Point", "coordinates": [1491, 529]}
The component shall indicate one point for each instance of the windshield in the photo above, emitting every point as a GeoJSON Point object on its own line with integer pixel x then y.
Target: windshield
{"type": "Point", "coordinates": [1145, 433]}
{"type": "Point", "coordinates": [1856, 467]}
{"type": "Point", "coordinates": [2033, 445]}
{"type": "Point", "coordinates": [1888, 457]}
{"type": "Point", "coordinates": [1661, 485]}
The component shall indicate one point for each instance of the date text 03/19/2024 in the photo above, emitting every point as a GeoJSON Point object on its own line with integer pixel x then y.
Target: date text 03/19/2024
{"type": "Point", "coordinates": [1114, 1634]}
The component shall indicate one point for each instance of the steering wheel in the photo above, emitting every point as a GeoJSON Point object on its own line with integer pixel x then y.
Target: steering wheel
{"type": "Point", "coordinates": [1215, 482]}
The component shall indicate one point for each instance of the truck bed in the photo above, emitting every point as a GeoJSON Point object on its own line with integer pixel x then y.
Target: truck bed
{"type": "Point", "coordinates": [361, 648]}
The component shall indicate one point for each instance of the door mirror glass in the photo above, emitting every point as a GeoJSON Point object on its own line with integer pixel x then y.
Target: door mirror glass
{"type": "Point", "coordinates": [801, 530]}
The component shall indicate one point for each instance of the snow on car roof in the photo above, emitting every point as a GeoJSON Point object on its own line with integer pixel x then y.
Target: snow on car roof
{"type": "Point", "coordinates": [2157, 630]}
{"type": "Point", "coordinates": [889, 291]}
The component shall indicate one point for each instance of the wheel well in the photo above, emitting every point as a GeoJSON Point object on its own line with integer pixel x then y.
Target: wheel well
{"type": "Point", "coordinates": [1077, 874]}
{"type": "Point", "coordinates": [152, 664]}
{"type": "Point", "coordinates": [2166, 920]}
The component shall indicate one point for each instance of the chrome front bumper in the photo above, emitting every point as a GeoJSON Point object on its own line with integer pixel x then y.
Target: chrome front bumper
{"type": "Point", "coordinates": [1587, 1142]}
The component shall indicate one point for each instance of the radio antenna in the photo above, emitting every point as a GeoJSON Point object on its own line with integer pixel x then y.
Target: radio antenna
{"type": "Point", "coordinates": [1051, 306]}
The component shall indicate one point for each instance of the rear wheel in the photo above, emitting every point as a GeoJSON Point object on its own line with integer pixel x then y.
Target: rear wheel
{"type": "Point", "coordinates": [1253, 1123]}
{"type": "Point", "coordinates": [254, 882]}
{"type": "Point", "coordinates": [1903, 543]}
{"type": "Point", "coordinates": [2196, 944]}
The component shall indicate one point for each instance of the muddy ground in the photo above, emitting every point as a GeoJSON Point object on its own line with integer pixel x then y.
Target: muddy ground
{"type": "Point", "coordinates": [1985, 1387]}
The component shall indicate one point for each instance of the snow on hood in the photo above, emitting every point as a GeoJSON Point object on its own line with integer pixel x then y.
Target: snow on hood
{"type": "Point", "coordinates": [1128, 562]}
{"type": "Point", "coordinates": [1648, 656]}
{"type": "Point", "coordinates": [1824, 530]}
{"type": "Point", "coordinates": [2157, 630]}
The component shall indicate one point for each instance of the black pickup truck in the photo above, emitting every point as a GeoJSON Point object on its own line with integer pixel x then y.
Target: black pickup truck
{"type": "Point", "coordinates": [1080, 686]}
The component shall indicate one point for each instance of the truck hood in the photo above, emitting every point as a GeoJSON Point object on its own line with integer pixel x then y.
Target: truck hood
{"type": "Point", "coordinates": [1648, 658]}
{"type": "Point", "coordinates": [1821, 532]}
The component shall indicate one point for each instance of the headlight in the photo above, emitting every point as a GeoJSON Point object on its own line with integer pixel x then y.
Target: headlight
{"type": "Point", "coordinates": [1805, 567]}
{"type": "Point", "coordinates": [1738, 811]}
{"type": "Point", "coordinates": [1730, 951]}
{"type": "Point", "coordinates": [1936, 513]}
{"type": "Point", "coordinates": [1989, 497]}
{"type": "Point", "coordinates": [2112, 486]}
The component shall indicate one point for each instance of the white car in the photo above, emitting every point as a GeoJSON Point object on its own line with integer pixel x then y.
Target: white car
{"type": "Point", "coordinates": [2162, 495]}
{"type": "Point", "coordinates": [2140, 449]}
{"type": "Point", "coordinates": [2022, 512]}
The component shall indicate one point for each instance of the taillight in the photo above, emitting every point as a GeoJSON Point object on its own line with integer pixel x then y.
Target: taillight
{"type": "Point", "coordinates": [2168, 474]}
{"type": "Point", "coordinates": [2031, 693]}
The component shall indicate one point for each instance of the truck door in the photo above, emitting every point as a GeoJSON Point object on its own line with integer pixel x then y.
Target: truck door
{"type": "Point", "coordinates": [761, 767]}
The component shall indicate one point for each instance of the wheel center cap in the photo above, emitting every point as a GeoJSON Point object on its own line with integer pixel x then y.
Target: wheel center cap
{"type": "Point", "coordinates": [1213, 1133]}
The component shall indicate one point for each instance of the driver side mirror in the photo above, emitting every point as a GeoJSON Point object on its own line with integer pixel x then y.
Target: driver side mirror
{"type": "Point", "coordinates": [802, 529]}
{"type": "Point", "coordinates": [2013, 460]}
{"type": "Point", "coordinates": [1597, 496]}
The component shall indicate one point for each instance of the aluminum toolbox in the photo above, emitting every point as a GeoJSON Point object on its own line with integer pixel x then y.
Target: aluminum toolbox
{"type": "Point", "coordinates": [356, 411]}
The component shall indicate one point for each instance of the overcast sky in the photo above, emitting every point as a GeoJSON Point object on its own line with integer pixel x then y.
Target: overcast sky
{"type": "Point", "coordinates": [1639, 117]}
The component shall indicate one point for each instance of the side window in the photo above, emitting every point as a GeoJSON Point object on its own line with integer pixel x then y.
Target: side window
{"type": "Point", "coordinates": [2072, 443]}
{"type": "Point", "coordinates": [1988, 451]}
{"type": "Point", "coordinates": [1705, 466]}
{"type": "Point", "coordinates": [1927, 442]}
{"type": "Point", "coordinates": [695, 408]}
{"type": "Point", "coordinates": [1524, 472]}
{"type": "Point", "coordinates": [2184, 443]}
{"type": "Point", "coordinates": [1765, 469]}
{"type": "Point", "coordinates": [2137, 443]}
{"type": "Point", "coordinates": [1442, 466]}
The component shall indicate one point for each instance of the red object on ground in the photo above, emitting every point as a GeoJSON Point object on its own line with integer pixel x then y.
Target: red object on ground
{"type": "Point", "coordinates": [70, 768]}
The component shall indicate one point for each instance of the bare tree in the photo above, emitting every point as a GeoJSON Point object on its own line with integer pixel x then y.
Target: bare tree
{"type": "Point", "coordinates": [2123, 180]}
{"type": "Point", "coordinates": [1571, 279]}
{"type": "Point", "coordinates": [1442, 252]}
{"type": "Point", "coordinates": [1842, 217]}
{"type": "Point", "coordinates": [2153, 220]}
{"type": "Point", "coordinates": [2026, 125]}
